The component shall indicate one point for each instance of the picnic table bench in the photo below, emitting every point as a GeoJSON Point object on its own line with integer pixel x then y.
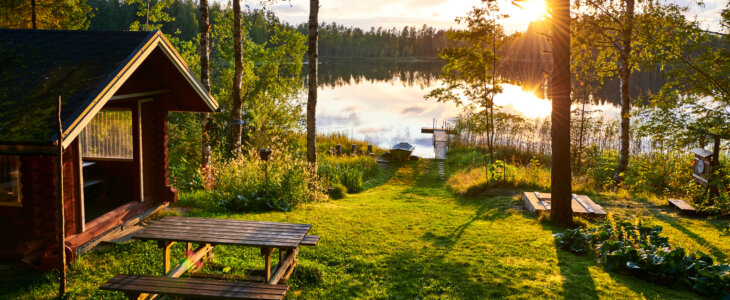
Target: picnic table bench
{"type": "Point", "coordinates": [135, 285]}
{"type": "Point", "coordinates": [206, 233]}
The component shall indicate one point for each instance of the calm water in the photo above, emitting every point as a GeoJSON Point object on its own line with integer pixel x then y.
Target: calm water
{"type": "Point", "coordinates": [382, 102]}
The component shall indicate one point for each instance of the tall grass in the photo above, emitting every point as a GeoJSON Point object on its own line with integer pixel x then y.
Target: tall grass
{"type": "Point", "coordinates": [350, 171]}
{"type": "Point", "coordinates": [247, 183]}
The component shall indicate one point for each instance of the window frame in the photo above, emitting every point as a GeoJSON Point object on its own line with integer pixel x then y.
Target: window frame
{"type": "Point", "coordinates": [103, 158]}
{"type": "Point", "coordinates": [19, 199]}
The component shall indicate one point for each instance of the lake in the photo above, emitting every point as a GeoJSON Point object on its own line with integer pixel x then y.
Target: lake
{"type": "Point", "coordinates": [382, 101]}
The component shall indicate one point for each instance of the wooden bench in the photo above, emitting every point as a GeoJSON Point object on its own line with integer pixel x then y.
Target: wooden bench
{"type": "Point", "coordinates": [310, 240]}
{"type": "Point", "coordinates": [134, 285]}
{"type": "Point", "coordinates": [682, 206]}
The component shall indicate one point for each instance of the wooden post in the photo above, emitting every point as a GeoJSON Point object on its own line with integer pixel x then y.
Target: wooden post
{"type": "Point", "coordinates": [266, 252]}
{"type": "Point", "coordinates": [339, 149]}
{"type": "Point", "coordinates": [61, 220]}
{"type": "Point", "coordinates": [353, 150]}
{"type": "Point", "coordinates": [166, 245]}
{"type": "Point", "coordinates": [714, 168]}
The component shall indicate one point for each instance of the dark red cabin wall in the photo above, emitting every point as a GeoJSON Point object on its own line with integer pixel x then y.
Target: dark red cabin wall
{"type": "Point", "coordinates": [36, 222]}
{"type": "Point", "coordinates": [155, 142]}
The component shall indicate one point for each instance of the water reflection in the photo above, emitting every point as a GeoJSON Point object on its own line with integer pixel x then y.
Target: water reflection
{"type": "Point", "coordinates": [382, 101]}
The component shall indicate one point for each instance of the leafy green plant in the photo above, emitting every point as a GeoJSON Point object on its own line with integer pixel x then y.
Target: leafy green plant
{"type": "Point", "coordinates": [640, 250]}
{"type": "Point", "coordinates": [337, 192]}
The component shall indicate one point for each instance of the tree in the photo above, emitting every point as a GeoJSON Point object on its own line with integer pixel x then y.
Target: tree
{"type": "Point", "coordinates": [44, 14]}
{"type": "Point", "coordinates": [237, 126]}
{"type": "Point", "coordinates": [560, 185]}
{"type": "Point", "coordinates": [154, 13]}
{"type": "Point", "coordinates": [472, 62]}
{"type": "Point", "coordinates": [616, 37]}
{"type": "Point", "coordinates": [312, 84]}
{"type": "Point", "coordinates": [694, 104]}
{"type": "Point", "coordinates": [205, 79]}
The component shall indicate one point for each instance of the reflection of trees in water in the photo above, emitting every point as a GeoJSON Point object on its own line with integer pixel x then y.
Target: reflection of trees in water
{"type": "Point", "coordinates": [424, 74]}
{"type": "Point", "coordinates": [340, 73]}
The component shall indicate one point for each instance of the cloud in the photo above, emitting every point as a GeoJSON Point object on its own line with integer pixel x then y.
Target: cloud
{"type": "Point", "coordinates": [416, 110]}
{"type": "Point", "coordinates": [339, 121]}
{"type": "Point", "coordinates": [370, 130]}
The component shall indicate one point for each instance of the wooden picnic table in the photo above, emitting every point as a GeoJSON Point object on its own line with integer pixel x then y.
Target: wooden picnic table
{"type": "Point", "coordinates": [207, 233]}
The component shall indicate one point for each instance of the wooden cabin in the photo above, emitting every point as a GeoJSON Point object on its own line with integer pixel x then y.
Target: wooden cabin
{"type": "Point", "coordinates": [117, 89]}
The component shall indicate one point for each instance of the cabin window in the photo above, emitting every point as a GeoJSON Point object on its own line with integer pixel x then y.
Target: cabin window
{"type": "Point", "coordinates": [108, 135]}
{"type": "Point", "coordinates": [10, 180]}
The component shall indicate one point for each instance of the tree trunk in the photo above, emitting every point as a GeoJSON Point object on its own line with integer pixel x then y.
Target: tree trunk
{"type": "Point", "coordinates": [60, 213]}
{"type": "Point", "coordinates": [205, 79]}
{"type": "Point", "coordinates": [312, 84]}
{"type": "Point", "coordinates": [582, 128]}
{"type": "Point", "coordinates": [237, 77]}
{"type": "Point", "coordinates": [561, 211]}
{"type": "Point", "coordinates": [33, 15]}
{"type": "Point", "coordinates": [714, 172]}
{"type": "Point", "coordinates": [624, 74]}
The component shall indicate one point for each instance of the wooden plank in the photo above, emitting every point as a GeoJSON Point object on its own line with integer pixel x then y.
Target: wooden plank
{"type": "Point", "coordinates": [212, 284]}
{"type": "Point", "coordinates": [215, 234]}
{"type": "Point", "coordinates": [282, 269]}
{"type": "Point", "coordinates": [202, 238]}
{"type": "Point", "coordinates": [231, 227]}
{"type": "Point", "coordinates": [223, 241]}
{"type": "Point", "coordinates": [310, 240]}
{"type": "Point", "coordinates": [682, 205]}
{"type": "Point", "coordinates": [194, 287]}
{"type": "Point", "coordinates": [188, 263]}
{"type": "Point", "coordinates": [223, 230]}
{"type": "Point", "coordinates": [228, 221]}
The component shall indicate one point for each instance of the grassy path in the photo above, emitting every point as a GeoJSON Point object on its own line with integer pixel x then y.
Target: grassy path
{"type": "Point", "coordinates": [406, 237]}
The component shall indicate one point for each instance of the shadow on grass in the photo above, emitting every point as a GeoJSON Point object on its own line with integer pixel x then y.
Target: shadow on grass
{"type": "Point", "coordinates": [577, 280]}
{"type": "Point", "coordinates": [427, 274]}
{"type": "Point", "coordinates": [674, 222]}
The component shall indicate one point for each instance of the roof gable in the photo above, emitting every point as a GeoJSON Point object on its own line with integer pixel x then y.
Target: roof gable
{"type": "Point", "coordinates": [84, 68]}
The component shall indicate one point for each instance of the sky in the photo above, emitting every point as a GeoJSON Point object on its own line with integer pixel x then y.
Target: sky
{"type": "Point", "coordinates": [436, 13]}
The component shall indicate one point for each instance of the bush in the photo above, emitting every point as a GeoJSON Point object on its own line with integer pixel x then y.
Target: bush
{"type": "Point", "coordinates": [337, 192]}
{"type": "Point", "coordinates": [640, 250]}
{"type": "Point", "coordinates": [349, 171]}
{"type": "Point", "coordinates": [241, 183]}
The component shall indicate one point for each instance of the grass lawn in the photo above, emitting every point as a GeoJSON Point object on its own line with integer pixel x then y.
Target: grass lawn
{"type": "Point", "coordinates": [408, 237]}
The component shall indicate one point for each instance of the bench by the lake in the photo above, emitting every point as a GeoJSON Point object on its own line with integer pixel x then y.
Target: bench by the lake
{"type": "Point", "coordinates": [206, 233]}
{"type": "Point", "coordinates": [582, 205]}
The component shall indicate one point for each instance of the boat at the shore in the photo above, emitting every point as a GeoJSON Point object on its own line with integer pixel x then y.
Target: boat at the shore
{"type": "Point", "coordinates": [402, 151]}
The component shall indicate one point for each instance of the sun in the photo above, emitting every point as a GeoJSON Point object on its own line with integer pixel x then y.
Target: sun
{"type": "Point", "coordinates": [531, 10]}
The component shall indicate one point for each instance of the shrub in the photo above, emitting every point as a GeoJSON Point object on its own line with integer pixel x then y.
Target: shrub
{"type": "Point", "coordinates": [349, 171]}
{"type": "Point", "coordinates": [337, 192]}
{"type": "Point", "coordinates": [640, 250]}
{"type": "Point", "coordinates": [242, 183]}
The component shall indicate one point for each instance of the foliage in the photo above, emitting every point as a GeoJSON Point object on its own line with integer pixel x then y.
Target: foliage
{"type": "Point", "coordinates": [336, 40]}
{"type": "Point", "coordinates": [695, 101]}
{"type": "Point", "coordinates": [350, 171]}
{"type": "Point", "coordinates": [153, 14]}
{"type": "Point", "coordinates": [50, 14]}
{"type": "Point", "coordinates": [337, 191]}
{"type": "Point", "coordinates": [641, 250]}
{"type": "Point", "coordinates": [470, 74]}
{"type": "Point", "coordinates": [286, 182]}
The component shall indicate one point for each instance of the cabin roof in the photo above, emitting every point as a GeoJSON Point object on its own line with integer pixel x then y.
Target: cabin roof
{"type": "Point", "coordinates": [84, 68]}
